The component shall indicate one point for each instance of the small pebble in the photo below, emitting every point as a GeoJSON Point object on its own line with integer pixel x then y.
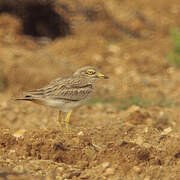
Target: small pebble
{"type": "Point", "coordinates": [109, 171]}
{"type": "Point", "coordinates": [105, 164]}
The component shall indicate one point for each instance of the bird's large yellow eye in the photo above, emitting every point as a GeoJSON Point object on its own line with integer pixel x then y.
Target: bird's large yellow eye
{"type": "Point", "coordinates": [91, 71]}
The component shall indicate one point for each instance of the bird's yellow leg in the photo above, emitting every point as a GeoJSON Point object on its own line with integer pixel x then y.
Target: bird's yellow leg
{"type": "Point", "coordinates": [67, 119]}
{"type": "Point", "coordinates": [60, 119]}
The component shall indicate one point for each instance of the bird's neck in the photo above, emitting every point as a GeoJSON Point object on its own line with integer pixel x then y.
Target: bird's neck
{"type": "Point", "coordinates": [87, 79]}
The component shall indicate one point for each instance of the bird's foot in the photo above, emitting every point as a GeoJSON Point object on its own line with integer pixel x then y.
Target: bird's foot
{"type": "Point", "coordinates": [70, 128]}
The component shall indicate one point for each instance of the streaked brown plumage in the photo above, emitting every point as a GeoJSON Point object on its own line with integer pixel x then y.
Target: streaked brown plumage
{"type": "Point", "coordinates": [68, 93]}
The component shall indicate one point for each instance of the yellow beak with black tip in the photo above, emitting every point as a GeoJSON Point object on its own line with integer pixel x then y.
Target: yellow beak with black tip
{"type": "Point", "coordinates": [99, 75]}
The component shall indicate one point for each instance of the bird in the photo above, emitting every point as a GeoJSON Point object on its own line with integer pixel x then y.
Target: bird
{"type": "Point", "coordinates": [68, 93]}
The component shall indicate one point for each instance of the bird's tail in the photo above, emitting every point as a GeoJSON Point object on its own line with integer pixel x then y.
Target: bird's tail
{"type": "Point", "coordinates": [28, 96]}
{"type": "Point", "coordinates": [24, 99]}
{"type": "Point", "coordinates": [33, 96]}
{"type": "Point", "coordinates": [32, 99]}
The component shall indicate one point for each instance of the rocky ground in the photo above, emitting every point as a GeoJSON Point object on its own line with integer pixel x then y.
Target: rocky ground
{"type": "Point", "coordinates": [130, 129]}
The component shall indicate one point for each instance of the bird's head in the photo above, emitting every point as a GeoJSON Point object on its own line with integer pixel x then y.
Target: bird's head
{"type": "Point", "coordinates": [90, 72]}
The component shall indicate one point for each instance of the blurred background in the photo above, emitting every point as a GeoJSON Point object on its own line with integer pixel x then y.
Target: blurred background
{"type": "Point", "coordinates": [136, 43]}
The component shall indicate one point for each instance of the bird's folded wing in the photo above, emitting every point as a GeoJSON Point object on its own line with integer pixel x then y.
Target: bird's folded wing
{"type": "Point", "coordinates": [73, 89]}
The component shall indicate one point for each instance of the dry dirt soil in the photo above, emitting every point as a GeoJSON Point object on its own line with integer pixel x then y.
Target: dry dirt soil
{"type": "Point", "coordinates": [130, 129]}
